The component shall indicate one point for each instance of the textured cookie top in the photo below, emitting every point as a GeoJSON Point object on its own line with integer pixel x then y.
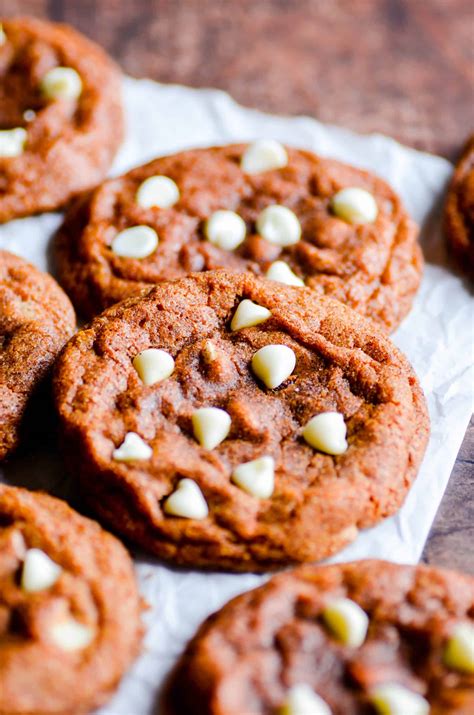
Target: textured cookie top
{"type": "Point", "coordinates": [60, 113]}
{"type": "Point", "coordinates": [277, 647]}
{"type": "Point", "coordinates": [36, 319]}
{"type": "Point", "coordinates": [163, 444]}
{"type": "Point", "coordinates": [209, 208]}
{"type": "Point", "coordinates": [69, 607]}
{"type": "Point", "coordinates": [459, 210]}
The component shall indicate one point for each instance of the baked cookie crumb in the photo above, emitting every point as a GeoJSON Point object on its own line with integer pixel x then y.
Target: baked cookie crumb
{"type": "Point", "coordinates": [287, 214]}
{"type": "Point", "coordinates": [354, 638]}
{"type": "Point", "coordinates": [230, 422]}
{"type": "Point", "coordinates": [61, 115]}
{"type": "Point", "coordinates": [459, 210]}
{"type": "Point", "coordinates": [36, 319]}
{"type": "Point", "coordinates": [69, 607]}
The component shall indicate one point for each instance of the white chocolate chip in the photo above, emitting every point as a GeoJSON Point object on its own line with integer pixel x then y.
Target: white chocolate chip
{"type": "Point", "coordinates": [70, 635]}
{"type": "Point", "coordinates": [187, 501]}
{"type": "Point", "coordinates": [347, 620]}
{"type": "Point", "coordinates": [225, 229]}
{"type": "Point", "coordinates": [29, 115]}
{"type": "Point", "coordinates": [39, 571]}
{"type": "Point", "coordinates": [153, 365]}
{"type": "Point", "coordinates": [395, 699]}
{"type": "Point", "coordinates": [302, 700]}
{"type": "Point", "coordinates": [279, 225]}
{"type": "Point", "coordinates": [459, 651]}
{"type": "Point", "coordinates": [12, 142]}
{"type": "Point", "coordinates": [249, 314]}
{"type": "Point", "coordinates": [281, 272]}
{"type": "Point", "coordinates": [327, 432]}
{"type": "Point", "coordinates": [273, 364]}
{"type": "Point", "coordinates": [211, 426]}
{"type": "Point", "coordinates": [135, 242]}
{"type": "Point", "coordinates": [355, 205]}
{"type": "Point", "coordinates": [209, 352]}
{"type": "Point", "coordinates": [264, 155]}
{"type": "Point", "coordinates": [3, 37]}
{"type": "Point", "coordinates": [61, 83]}
{"type": "Point", "coordinates": [256, 477]}
{"type": "Point", "coordinates": [133, 447]}
{"type": "Point", "coordinates": [160, 191]}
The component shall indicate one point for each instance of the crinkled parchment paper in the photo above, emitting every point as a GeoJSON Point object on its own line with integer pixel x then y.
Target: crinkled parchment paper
{"type": "Point", "coordinates": [437, 337]}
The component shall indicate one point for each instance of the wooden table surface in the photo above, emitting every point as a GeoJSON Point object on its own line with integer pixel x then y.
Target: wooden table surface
{"type": "Point", "coordinates": [401, 67]}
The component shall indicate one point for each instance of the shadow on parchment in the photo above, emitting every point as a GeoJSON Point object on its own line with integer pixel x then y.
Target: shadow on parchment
{"type": "Point", "coordinates": [434, 244]}
{"type": "Point", "coordinates": [37, 463]}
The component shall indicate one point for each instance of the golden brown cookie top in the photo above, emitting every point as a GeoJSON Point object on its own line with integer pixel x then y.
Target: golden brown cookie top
{"type": "Point", "coordinates": [69, 607]}
{"type": "Point", "coordinates": [459, 209]}
{"type": "Point", "coordinates": [351, 639]}
{"type": "Point", "coordinates": [341, 230]}
{"type": "Point", "coordinates": [60, 114]}
{"type": "Point", "coordinates": [36, 319]}
{"type": "Point", "coordinates": [188, 413]}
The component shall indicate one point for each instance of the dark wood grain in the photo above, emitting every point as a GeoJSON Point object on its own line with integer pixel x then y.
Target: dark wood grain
{"type": "Point", "coordinates": [401, 67]}
{"type": "Point", "coordinates": [451, 541]}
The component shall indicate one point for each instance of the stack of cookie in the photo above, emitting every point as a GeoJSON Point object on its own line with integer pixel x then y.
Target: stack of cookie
{"type": "Point", "coordinates": [234, 403]}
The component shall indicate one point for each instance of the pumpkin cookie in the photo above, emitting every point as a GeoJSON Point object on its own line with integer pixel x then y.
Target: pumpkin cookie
{"type": "Point", "coordinates": [352, 639]}
{"type": "Point", "coordinates": [288, 214]}
{"type": "Point", "coordinates": [231, 422]}
{"type": "Point", "coordinates": [459, 210]}
{"type": "Point", "coordinates": [36, 319]}
{"type": "Point", "coordinates": [69, 607]}
{"type": "Point", "coordinates": [60, 115]}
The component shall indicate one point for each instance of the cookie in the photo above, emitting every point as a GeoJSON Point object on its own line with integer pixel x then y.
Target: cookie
{"type": "Point", "coordinates": [61, 109]}
{"type": "Point", "coordinates": [459, 210]}
{"type": "Point", "coordinates": [340, 230]}
{"type": "Point", "coordinates": [36, 319]}
{"type": "Point", "coordinates": [227, 421]}
{"type": "Point", "coordinates": [69, 607]}
{"type": "Point", "coordinates": [351, 639]}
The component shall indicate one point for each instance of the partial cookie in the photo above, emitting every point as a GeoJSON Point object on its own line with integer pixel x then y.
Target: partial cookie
{"type": "Point", "coordinates": [288, 214]}
{"type": "Point", "coordinates": [69, 607]}
{"type": "Point", "coordinates": [36, 319]}
{"type": "Point", "coordinates": [231, 422]}
{"type": "Point", "coordinates": [459, 210]}
{"type": "Point", "coordinates": [351, 639]}
{"type": "Point", "coordinates": [60, 104]}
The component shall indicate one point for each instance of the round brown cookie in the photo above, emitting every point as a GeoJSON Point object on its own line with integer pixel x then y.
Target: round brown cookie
{"type": "Point", "coordinates": [374, 267]}
{"type": "Point", "coordinates": [69, 607]}
{"type": "Point", "coordinates": [459, 210]}
{"type": "Point", "coordinates": [36, 319]}
{"type": "Point", "coordinates": [60, 130]}
{"type": "Point", "coordinates": [276, 649]}
{"type": "Point", "coordinates": [132, 444]}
